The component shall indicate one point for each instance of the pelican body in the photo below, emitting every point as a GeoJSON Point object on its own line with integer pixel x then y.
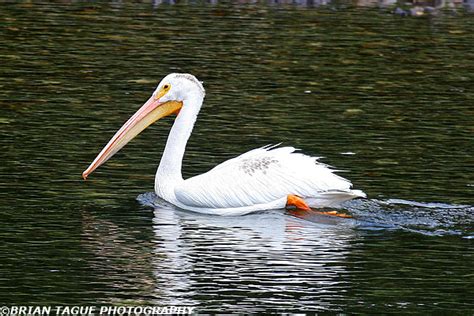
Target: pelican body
{"type": "Point", "coordinates": [264, 178]}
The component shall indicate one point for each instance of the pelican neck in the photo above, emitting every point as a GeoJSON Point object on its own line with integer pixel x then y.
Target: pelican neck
{"type": "Point", "coordinates": [169, 172]}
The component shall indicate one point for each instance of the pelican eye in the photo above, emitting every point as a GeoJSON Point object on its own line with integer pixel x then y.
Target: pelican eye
{"type": "Point", "coordinates": [163, 90]}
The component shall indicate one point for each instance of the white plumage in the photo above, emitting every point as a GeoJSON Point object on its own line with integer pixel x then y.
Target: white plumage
{"type": "Point", "coordinates": [263, 176]}
{"type": "Point", "coordinates": [256, 180]}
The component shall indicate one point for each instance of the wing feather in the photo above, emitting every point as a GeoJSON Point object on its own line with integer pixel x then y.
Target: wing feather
{"type": "Point", "coordinates": [260, 176]}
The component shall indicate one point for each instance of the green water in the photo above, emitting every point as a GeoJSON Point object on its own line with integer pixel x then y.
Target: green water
{"type": "Point", "coordinates": [387, 99]}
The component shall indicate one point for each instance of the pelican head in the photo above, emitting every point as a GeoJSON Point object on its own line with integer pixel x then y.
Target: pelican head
{"type": "Point", "coordinates": [178, 87]}
{"type": "Point", "coordinates": [168, 98]}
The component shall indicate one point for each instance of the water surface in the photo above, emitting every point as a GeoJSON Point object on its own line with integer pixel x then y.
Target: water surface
{"type": "Point", "coordinates": [387, 99]}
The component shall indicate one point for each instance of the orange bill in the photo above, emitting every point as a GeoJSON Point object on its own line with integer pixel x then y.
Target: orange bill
{"type": "Point", "coordinates": [150, 112]}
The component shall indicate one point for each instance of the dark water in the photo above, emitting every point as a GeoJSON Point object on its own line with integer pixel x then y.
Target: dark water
{"type": "Point", "coordinates": [388, 99]}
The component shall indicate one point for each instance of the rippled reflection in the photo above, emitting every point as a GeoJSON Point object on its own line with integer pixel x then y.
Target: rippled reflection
{"type": "Point", "coordinates": [275, 257]}
{"type": "Point", "coordinates": [272, 261]}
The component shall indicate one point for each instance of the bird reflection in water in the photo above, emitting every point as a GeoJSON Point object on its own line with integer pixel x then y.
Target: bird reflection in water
{"type": "Point", "coordinates": [184, 258]}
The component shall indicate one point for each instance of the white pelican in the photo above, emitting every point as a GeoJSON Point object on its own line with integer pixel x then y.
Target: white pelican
{"type": "Point", "coordinates": [261, 179]}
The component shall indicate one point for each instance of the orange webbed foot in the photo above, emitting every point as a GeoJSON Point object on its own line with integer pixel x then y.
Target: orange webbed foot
{"type": "Point", "coordinates": [298, 203]}
{"type": "Point", "coordinates": [294, 201]}
{"type": "Point", "coordinates": [335, 213]}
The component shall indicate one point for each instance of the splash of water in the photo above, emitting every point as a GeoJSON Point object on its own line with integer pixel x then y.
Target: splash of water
{"type": "Point", "coordinates": [434, 219]}
{"type": "Point", "coordinates": [437, 219]}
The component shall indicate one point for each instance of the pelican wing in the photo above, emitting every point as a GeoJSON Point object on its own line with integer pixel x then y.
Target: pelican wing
{"type": "Point", "coordinates": [262, 176]}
